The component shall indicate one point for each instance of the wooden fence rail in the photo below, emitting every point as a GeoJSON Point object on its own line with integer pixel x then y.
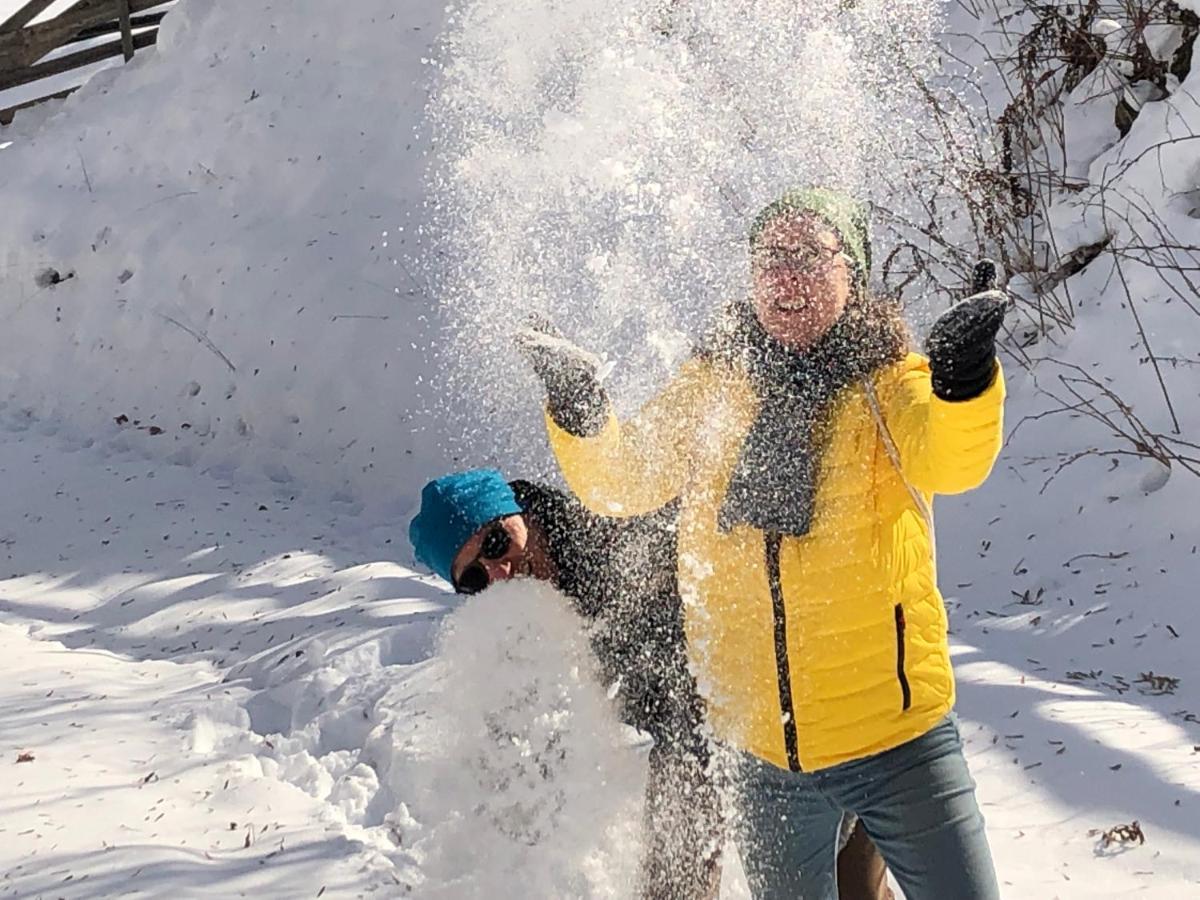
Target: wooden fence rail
{"type": "Point", "coordinates": [23, 47]}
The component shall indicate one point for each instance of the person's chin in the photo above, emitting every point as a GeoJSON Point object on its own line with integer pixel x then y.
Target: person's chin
{"type": "Point", "coordinates": [791, 328]}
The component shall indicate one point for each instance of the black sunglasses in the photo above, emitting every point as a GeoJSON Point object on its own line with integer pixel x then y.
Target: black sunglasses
{"type": "Point", "coordinates": [474, 577]}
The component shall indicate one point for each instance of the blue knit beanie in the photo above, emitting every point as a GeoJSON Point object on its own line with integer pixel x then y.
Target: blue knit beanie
{"type": "Point", "coordinates": [453, 508]}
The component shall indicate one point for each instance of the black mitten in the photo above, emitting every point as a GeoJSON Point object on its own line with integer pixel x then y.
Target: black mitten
{"type": "Point", "coordinates": [962, 345]}
{"type": "Point", "coordinates": [574, 395]}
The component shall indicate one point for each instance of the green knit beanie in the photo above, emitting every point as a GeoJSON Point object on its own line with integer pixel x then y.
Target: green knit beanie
{"type": "Point", "coordinates": [844, 214]}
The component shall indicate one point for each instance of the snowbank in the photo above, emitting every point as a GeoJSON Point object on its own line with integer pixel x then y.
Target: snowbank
{"type": "Point", "coordinates": [216, 242]}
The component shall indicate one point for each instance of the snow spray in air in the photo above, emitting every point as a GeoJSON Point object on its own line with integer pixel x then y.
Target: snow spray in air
{"type": "Point", "coordinates": [535, 786]}
{"type": "Point", "coordinates": [600, 164]}
{"type": "Point", "coordinates": [601, 160]}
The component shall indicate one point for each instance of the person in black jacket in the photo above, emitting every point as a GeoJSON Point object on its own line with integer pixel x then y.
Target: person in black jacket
{"type": "Point", "coordinates": [475, 529]}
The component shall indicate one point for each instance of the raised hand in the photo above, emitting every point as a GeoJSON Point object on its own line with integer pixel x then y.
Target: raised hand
{"type": "Point", "coordinates": [962, 343]}
{"type": "Point", "coordinates": [574, 395]}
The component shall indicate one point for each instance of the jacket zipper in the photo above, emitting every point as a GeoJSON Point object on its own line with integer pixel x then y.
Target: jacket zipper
{"type": "Point", "coordinates": [905, 690]}
{"type": "Point", "coordinates": [783, 670]}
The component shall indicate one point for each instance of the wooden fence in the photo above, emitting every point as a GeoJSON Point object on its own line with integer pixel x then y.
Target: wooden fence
{"type": "Point", "coordinates": [24, 47]}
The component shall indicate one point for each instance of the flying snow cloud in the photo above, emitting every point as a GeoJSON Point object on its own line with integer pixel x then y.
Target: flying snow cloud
{"type": "Point", "coordinates": [600, 164]}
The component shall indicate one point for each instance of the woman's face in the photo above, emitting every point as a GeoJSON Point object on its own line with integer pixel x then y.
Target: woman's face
{"type": "Point", "coordinates": [511, 547]}
{"type": "Point", "coordinates": [802, 280]}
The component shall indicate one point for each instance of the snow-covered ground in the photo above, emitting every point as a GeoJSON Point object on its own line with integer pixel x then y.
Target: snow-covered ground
{"type": "Point", "coordinates": [220, 388]}
{"type": "Point", "coordinates": [229, 688]}
{"type": "Point", "coordinates": [109, 796]}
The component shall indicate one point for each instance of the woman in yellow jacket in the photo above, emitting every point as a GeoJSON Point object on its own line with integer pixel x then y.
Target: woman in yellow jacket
{"type": "Point", "coordinates": [805, 444]}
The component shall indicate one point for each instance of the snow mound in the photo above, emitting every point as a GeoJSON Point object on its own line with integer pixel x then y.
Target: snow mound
{"type": "Point", "coordinates": [212, 242]}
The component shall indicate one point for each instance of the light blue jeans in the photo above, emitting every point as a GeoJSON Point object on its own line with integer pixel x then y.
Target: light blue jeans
{"type": "Point", "coordinates": [916, 801]}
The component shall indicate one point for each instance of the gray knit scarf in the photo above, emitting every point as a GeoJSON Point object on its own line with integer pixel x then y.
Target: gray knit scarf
{"type": "Point", "coordinates": [774, 485]}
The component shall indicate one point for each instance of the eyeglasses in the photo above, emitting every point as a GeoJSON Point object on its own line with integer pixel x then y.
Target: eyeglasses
{"type": "Point", "coordinates": [496, 544]}
{"type": "Point", "coordinates": [802, 259]}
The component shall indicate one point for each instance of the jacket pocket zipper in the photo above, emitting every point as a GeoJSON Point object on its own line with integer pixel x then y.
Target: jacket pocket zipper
{"type": "Point", "coordinates": [905, 690]}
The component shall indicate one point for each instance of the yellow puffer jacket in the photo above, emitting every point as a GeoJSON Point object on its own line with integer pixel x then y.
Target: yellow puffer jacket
{"type": "Point", "coordinates": [815, 650]}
